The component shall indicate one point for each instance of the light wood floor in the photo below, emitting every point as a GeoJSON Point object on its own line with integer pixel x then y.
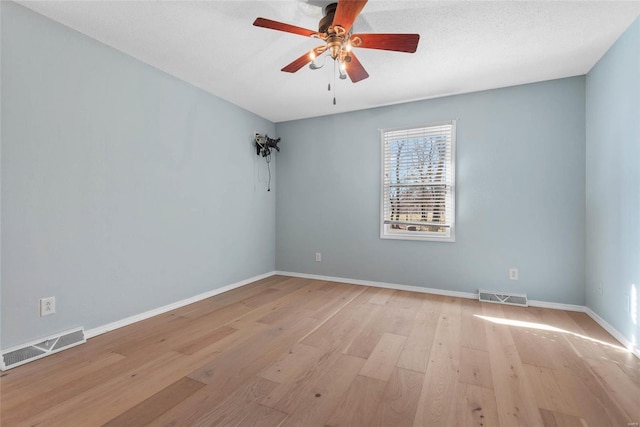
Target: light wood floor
{"type": "Point", "coordinates": [287, 351]}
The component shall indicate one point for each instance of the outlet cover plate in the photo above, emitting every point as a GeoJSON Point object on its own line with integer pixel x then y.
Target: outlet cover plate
{"type": "Point", "coordinates": [47, 306]}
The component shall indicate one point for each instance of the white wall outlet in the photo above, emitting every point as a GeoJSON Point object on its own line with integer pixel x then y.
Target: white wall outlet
{"type": "Point", "coordinates": [628, 304]}
{"type": "Point", "coordinates": [318, 256]}
{"type": "Point", "coordinates": [513, 273]}
{"type": "Point", "coordinates": [47, 306]}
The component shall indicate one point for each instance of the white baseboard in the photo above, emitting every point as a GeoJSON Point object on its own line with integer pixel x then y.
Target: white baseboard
{"type": "Point", "coordinates": [533, 303]}
{"type": "Point", "coordinates": [395, 286]}
{"type": "Point", "coordinates": [613, 331]}
{"type": "Point", "coordinates": [557, 306]}
{"type": "Point", "coordinates": [90, 333]}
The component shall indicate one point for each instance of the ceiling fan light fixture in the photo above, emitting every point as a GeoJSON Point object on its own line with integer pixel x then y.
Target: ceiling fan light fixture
{"type": "Point", "coordinates": [342, 70]}
{"type": "Point", "coordinates": [335, 30]}
{"type": "Point", "coordinates": [317, 60]}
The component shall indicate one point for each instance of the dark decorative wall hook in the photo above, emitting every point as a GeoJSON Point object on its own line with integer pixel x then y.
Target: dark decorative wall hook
{"type": "Point", "coordinates": [264, 145]}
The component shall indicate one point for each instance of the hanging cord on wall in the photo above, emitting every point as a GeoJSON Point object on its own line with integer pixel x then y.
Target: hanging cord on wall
{"type": "Point", "coordinates": [264, 145]}
{"type": "Point", "coordinates": [269, 169]}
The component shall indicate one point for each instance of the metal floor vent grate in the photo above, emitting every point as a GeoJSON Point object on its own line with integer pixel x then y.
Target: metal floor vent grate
{"type": "Point", "coordinates": [503, 298]}
{"type": "Point", "coordinates": [26, 353]}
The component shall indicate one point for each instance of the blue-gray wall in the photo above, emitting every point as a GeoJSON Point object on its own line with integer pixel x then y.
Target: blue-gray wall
{"type": "Point", "coordinates": [613, 185]}
{"type": "Point", "coordinates": [520, 194]}
{"type": "Point", "coordinates": [123, 188]}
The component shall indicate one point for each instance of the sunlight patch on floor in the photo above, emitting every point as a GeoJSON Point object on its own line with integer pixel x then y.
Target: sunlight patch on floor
{"type": "Point", "coordinates": [544, 327]}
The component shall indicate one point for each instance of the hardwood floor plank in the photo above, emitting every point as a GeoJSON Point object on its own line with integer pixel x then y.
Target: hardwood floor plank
{"type": "Point", "coordinates": [537, 347]}
{"type": "Point", "coordinates": [399, 401]}
{"type": "Point", "coordinates": [290, 283]}
{"type": "Point", "coordinates": [415, 354]}
{"type": "Point", "coordinates": [287, 396]}
{"type": "Point", "coordinates": [266, 296]}
{"type": "Point", "coordinates": [475, 367]}
{"type": "Point", "coordinates": [359, 403]}
{"type": "Point", "coordinates": [384, 356]}
{"type": "Point", "coordinates": [515, 399]}
{"type": "Point", "coordinates": [621, 389]}
{"type": "Point", "coordinates": [437, 399]}
{"type": "Point", "coordinates": [233, 409]}
{"type": "Point", "coordinates": [151, 408]}
{"type": "Point", "coordinates": [591, 406]}
{"type": "Point", "coordinates": [251, 356]}
{"type": "Point", "coordinates": [548, 392]}
{"type": "Point", "coordinates": [332, 296]}
{"type": "Point", "coordinates": [168, 336]}
{"type": "Point", "coordinates": [381, 296]}
{"type": "Point", "coordinates": [548, 419]}
{"type": "Point", "coordinates": [396, 316]}
{"type": "Point", "coordinates": [558, 419]}
{"type": "Point", "coordinates": [34, 404]}
{"type": "Point", "coordinates": [208, 403]}
{"type": "Point", "coordinates": [23, 396]}
{"type": "Point", "coordinates": [596, 403]}
{"type": "Point", "coordinates": [324, 395]}
{"type": "Point", "coordinates": [122, 392]}
{"type": "Point", "coordinates": [257, 415]}
{"type": "Point", "coordinates": [401, 310]}
{"type": "Point", "coordinates": [476, 406]}
{"type": "Point", "coordinates": [339, 325]}
{"type": "Point", "coordinates": [473, 333]}
{"type": "Point", "coordinates": [284, 300]}
{"type": "Point", "coordinates": [291, 365]}
{"type": "Point", "coordinates": [198, 343]}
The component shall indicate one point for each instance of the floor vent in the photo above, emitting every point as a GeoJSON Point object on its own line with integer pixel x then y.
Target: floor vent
{"type": "Point", "coordinates": [503, 298]}
{"type": "Point", "coordinates": [26, 353]}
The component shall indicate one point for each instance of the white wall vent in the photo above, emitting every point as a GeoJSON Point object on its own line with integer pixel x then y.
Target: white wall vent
{"type": "Point", "coordinates": [20, 355]}
{"type": "Point", "coordinates": [503, 298]}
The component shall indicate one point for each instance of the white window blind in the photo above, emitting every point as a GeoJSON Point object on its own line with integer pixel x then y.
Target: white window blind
{"type": "Point", "coordinates": [418, 182]}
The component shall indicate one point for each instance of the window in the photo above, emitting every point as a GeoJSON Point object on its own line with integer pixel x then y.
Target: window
{"type": "Point", "coordinates": [418, 183]}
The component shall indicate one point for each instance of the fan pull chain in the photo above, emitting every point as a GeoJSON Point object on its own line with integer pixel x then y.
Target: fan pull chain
{"type": "Point", "coordinates": [334, 82]}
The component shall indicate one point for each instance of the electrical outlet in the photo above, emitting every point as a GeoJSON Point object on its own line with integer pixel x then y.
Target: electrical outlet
{"type": "Point", "coordinates": [318, 256]}
{"type": "Point", "coordinates": [47, 306]}
{"type": "Point", "coordinates": [513, 273]}
{"type": "Point", "coordinates": [628, 304]}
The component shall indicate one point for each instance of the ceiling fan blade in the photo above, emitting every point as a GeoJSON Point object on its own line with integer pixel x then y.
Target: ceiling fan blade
{"type": "Point", "coordinates": [347, 12]}
{"type": "Point", "coordinates": [395, 42]}
{"type": "Point", "coordinates": [281, 26]}
{"type": "Point", "coordinates": [300, 62]}
{"type": "Point", "coordinates": [355, 70]}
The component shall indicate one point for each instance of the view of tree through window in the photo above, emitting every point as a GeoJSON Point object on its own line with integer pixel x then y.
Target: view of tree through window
{"type": "Point", "coordinates": [418, 176]}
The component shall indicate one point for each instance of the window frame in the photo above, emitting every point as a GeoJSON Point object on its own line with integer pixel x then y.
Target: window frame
{"type": "Point", "coordinates": [420, 235]}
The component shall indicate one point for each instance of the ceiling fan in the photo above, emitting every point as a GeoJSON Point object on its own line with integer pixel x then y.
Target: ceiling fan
{"type": "Point", "coordinates": [334, 29]}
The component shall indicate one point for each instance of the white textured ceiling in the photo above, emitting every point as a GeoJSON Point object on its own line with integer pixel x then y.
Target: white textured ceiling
{"type": "Point", "coordinates": [464, 46]}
